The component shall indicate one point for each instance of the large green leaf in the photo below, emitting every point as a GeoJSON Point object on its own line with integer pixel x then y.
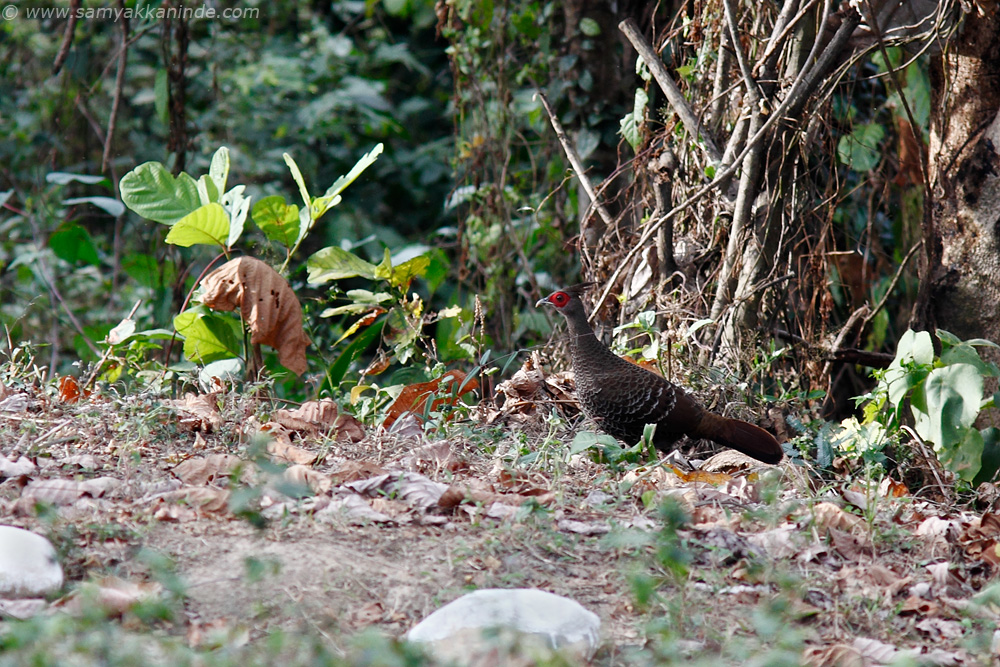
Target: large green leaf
{"type": "Point", "coordinates": [208, 225]}
{"type": "Point", "coordinates": [335, 263]}
{"type": "Point", "coordinates": [72, 243]}
{"type": "Point", "coordinates": [208, 337]}
{"type": "Point", "coordinates": [990, 460]}
{"type": "Point", "coordinates": [914, 357]}
{"type": "Point", "coordinates": [152, 192]}
{"type": "Point", "coordinates": [860, 149]}
{"type": "Point", "coordinates": [279, 221]}
{"type": "Point", "coordinates": [410, 269]}
{"type": "Point", "coordinates": [952, 395]}
{"type": "Point", "coordinates": [965, 458]}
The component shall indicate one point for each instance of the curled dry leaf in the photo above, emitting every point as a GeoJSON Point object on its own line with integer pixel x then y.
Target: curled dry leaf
{"type": "Point", "coordinates": [282, 450]}
{"type": "Point", "coordinates": [267, 303]}
{"type": "Point", "coordinates": [306, 476]}
{"type": "Point", "coordinates": [116, 596]}
{"type": "Point", "coordinates": [198, 412]}
{"type": "Point", "coordinates": [448, 388]}
{"type": "Point", "coordinates": [66, 491]}
{"type": "Point", "coordinates": [352, 471]}
{"type": "Point", "coordinates": [11, 468]}
{"type": "Point", "coordinates": [204, 498]}
{"type": "Point", "coordinates": [410, 487]}
{"type": "Point", "coordinates": [201, 471]}
{"type": "Point", "coordinates": [321, 417]}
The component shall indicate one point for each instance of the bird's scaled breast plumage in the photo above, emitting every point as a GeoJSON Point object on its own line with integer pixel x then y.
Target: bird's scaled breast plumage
{"type": "Point", "coordinates": [622, 397]}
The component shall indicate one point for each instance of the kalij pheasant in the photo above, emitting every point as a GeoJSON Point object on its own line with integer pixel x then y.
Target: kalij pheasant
{"type": "Point", "coordinates": [623, 397]}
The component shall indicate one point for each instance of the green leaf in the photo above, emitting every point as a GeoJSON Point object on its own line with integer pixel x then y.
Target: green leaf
{"type": "Point", "coordinates": [631, 123]}
{"type": "Point", "coordinates": [590, 27]}
{"type": "Point", "coordinates": [913, 360]}
{"type": "Point", "coordinates": [161, 96]}
{"type": "Point", "coordinates": [219, 170]}
{"type": "Point", "coordinates": [64, 178]}
{"type": "Point", "coordinates": [72, 243]}
{"type": "Point", "coordinates": [111, 206]}
{"type": "Point", "coordinates": [236, 206]}
{"type": "Point", "coordinates": [279, 221]}
{"type": "Point", "coordinates": [963, 353]}
{"type": "Point", "coordinates": [585, 440]}
{"type": "Point", "coordinates": [965, 459]}
{"type": "Point", "coordinates": [952, 394]}
{"type": "Point", "coordinates": [360, 343]}
{"type": "Point", "coordinates": [860, 149]}
{"type": "Point", "coordinates": [990, 459]}
{"type": "Point", "coordinates": [335, 263]}
{"type": "Point", "coordinates": [207, 192]}
{"type": "Point", "coordinates": [410, 269]}
{"type": "Point", "coordinates": [147, 271]}
{"type": "Point", "coordinates": [299, 181]}
{"type": "Point", "coordinates": [384, 270]}
{"type": "Point", "coordinates": [208, 225]}
{"type": "Point", "coordinates": [208, 337]}
{"type": "Point", "coordinates": [153, 193]}
{"type": "Point", "coordinates": [341, 183]}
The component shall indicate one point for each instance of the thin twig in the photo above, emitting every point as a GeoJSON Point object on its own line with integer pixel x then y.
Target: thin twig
{"type": "Point", "coordinates": [792, 100]}
{"type": "Point", "coordinates": [574, 160]}
{"type": "Point", "coordinates": [892, 284]}
{"type": "Point", "coordinates": [741, 58]}
{"type": "Point", "coordinates": [119, 84]}
{"type": "Point", "coordinates": [932, 461]}
{"type": "Point", "coordinates": [674, 96]}
{"type": "Point", "coordinates": [67, 41]}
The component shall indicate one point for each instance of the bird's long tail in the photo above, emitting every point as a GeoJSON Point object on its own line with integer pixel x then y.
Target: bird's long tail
{"type": "Point", "coordinates": [741, 436]}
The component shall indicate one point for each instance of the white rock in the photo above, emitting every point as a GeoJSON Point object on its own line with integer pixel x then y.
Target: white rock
{"type": "Point", "coordinates": [522, 619]}
{"type": "Point", "coordinates": [28, 565]}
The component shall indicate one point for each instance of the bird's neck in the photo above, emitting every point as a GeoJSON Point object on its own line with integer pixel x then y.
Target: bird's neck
{"type": "Point", "coordinates": [583, 341]}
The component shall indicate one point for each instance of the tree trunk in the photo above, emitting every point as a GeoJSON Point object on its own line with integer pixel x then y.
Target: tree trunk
{"type": "Point", "coordinates": [964, 229]}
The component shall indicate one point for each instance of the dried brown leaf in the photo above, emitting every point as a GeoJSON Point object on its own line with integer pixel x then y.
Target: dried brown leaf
{"type": "Point", "coordinates": [198, 411]}
{"type": "Point", "coordinates": [352, 471]}
{"type": "Point", "coordinates": [267, 303]}
{"type": "Point", "coordinates": [283, 451]}
{"type": "Point", "coordinates": [448, 388]}
{"type": "Point", "coordinates": [200, 471]}
{"type": "Point", "coordinates": [306, 476]}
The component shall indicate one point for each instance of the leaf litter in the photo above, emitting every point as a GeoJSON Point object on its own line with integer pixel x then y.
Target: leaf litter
{"type": "Point", "coordinates": [369, 529]}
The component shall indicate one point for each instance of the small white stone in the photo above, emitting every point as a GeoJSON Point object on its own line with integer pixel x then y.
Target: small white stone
{"type": "Point", "coordinates": [28, 565]}
{"type": "Point", "coordinates": [474, 624]}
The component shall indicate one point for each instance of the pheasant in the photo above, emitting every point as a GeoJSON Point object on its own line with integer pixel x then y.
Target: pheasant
{"type": "Point", "coordinates": [623, 397]}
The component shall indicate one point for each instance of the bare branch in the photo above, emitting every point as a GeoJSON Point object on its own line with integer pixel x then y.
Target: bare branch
{"type": "Point", "coordinates": [670, 89]}
{"type": "Point", "coordinates": [574, 160]}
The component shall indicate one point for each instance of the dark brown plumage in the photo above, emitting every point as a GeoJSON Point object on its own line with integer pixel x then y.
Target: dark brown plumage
{"type": "Point", "coordinates": [623, 397]}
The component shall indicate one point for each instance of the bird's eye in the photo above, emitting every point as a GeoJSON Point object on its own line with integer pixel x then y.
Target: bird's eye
{"type": "Point", "coordinates": [560, 298]}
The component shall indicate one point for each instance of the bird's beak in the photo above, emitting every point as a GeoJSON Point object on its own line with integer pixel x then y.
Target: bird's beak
{"type": "Point", "coordinates": [543, 302]}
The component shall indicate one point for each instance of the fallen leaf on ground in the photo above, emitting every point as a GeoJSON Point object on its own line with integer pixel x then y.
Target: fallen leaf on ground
{"type": "Point", "coordinates": [352, 471]}
{"type": "Point", "coordinates": [448, 388]}
{"type": "Point", "coordinates": [67, 491]}
{"type": "Point", "coordinates": [115, 596]}
{"type": "Point", "coordinates": [198, 411]}
{"type": "Point", "coordinates": [199, 471]}
{"type": "Point", "coordinates": [303, 474]}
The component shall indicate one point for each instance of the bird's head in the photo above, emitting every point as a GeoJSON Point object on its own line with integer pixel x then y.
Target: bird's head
{"type": "Point", "coordinates": [565, 300]}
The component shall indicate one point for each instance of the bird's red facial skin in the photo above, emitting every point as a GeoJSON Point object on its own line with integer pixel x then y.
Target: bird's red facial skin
{"type": "Point", "coordinates": [559, 299]}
